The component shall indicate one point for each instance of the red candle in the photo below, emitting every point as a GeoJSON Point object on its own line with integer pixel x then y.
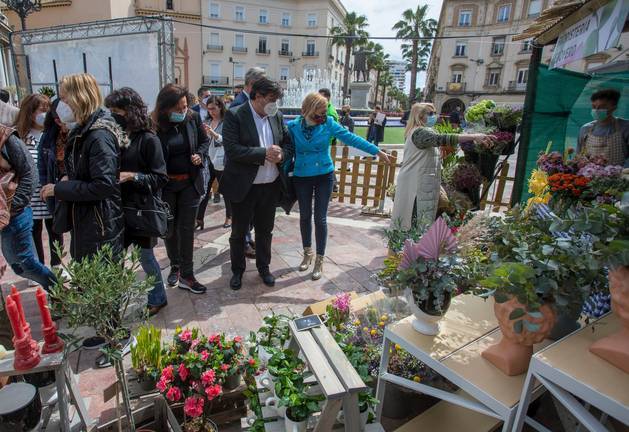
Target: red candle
{"type": "Point", "coordinates": [18, 302]}
{"type": "Point", "coordinates": [14, 318]}
{"type": "Point", "coordinates": [43, 308]}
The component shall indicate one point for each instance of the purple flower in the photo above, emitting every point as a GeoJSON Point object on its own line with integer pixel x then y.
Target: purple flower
{"type": "Point", "coordinates": [341, 302]}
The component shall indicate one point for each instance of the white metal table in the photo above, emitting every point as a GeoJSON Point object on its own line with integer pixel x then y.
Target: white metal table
{"type": "Point", "coordinates": [466, 330]}
{"type": "Point", "coordinates": [568, 370]}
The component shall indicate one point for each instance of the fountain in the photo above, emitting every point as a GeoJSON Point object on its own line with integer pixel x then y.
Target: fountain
{"type": "Point", "coordinates": [311, 81]}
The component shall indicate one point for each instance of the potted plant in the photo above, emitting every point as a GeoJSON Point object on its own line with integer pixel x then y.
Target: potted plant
{"type": "Point", "coordinates": [146, 356]}
{"type": "Point", "coordinates": [299, 407]}
{"type": "Point", "coordinates": [427, 273]}
{"type": "Point", "coordinates": [97, 294]}
{"type": "Point", "coordinates": [524, 314]}
{"type": "Point", "coordinates": [284, 372]}
{"type": "Point", "coordinates": [338, 311]}
{"type": "Point", "coordinates": [273, 334]}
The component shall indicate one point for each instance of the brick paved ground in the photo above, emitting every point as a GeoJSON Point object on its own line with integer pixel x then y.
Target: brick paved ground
{"type": "Point", "coordinates": [356, 249]}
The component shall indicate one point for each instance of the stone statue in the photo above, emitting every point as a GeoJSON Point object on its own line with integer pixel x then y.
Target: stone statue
{"type": "Point", "coordinates": [360, 64]}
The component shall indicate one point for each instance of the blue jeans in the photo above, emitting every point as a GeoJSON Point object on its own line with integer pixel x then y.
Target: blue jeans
{"type": "Point", "coordinates": [157, 296]}
{"type": "Point", "coordinates": [320, 187]}
{"type": "Point", "coordinates": [19, 250]}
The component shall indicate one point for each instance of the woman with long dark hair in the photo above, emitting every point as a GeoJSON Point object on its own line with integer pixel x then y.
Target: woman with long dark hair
{"type": "Point", "coordinates": [142, 175]}
{"type": "Point", "coordinates": [30, 127]}
{"type": "Point", "coordinates": [216, 109]}
{"type": "Point", "coordinates": [184, 144]}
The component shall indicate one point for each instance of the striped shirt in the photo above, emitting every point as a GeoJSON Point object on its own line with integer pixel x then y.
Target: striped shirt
{"type": "Point", "coordinates": [40, 209]}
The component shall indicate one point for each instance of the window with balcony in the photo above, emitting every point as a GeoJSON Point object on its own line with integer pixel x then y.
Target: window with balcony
{"type": "Point", "coordinates": [239, 13]}
{"type": "Point", "coordinates": [285, 47]}
{"type": "Point", "coordinates": [535, 7]}
{"type": "Point", "coordinates": [214, 10]}
{"type": "Point", "coordinates": [286, 19]}
{"type": "Point", "coordinates": [262, 45]}
{"type": "Point", "coordinates": [239, 43]}
{"type": "Point", "coordinates": [239, 71]}
{"type": "Point", "coordinates": [493, 78]}
{"type": "Point", "coordinates": [312, 20]}
{"type": "Point", "coordinates": [283, 73]}
{"type": "Point", "coordinates": [465, 18]}
{"type": "Point", "coordinates": [527, 46]}
{"type": "Point", "coordinates": [169, 5]}
{"type": "Point", "coordinates": [457, 77]}
{"type": "Point", "coordinates": [498, 46]}
{"type": "Point", "coordinates": [460, 49]}
{"type": "Point", "coordinates": [522, 76]}
{"type": "Point", "coordinates": [310, 73]}
{"type": "Point", "coordinates": [214, 43]}
{"type": "Point", "coordinates": [504, 13]}
{"type": "Point", "coordinates": [310, 48]}
{"type": "Point", "coordinates": [264, 16]}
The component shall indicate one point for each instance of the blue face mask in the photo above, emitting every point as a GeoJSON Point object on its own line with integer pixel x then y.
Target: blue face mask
{"type": "Point", "coordinates": [177, 117]}
{"type": "Point", "coordinates": [599, 114]}
{"type": "Point", "coordinates": [431, 120]}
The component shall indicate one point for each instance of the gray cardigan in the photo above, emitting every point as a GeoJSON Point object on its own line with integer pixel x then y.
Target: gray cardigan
{"type": "Point", "coordinates": [18, 156]}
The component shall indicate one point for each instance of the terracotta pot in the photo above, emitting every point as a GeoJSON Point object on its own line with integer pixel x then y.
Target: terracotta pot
{"type": "Point", "coordinates": [427, 317]}
{"type": "Point", "coordinates": [513, 353]}
{"type": "Point", "coordinates": [615, 348]}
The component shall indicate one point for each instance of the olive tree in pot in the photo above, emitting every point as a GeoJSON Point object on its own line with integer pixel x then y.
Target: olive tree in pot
{"type": "Point", "coordinates": [98, 294]}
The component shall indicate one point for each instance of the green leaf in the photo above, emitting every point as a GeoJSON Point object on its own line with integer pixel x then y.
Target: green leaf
{"type": "Point", "coordinates": [517, 313]}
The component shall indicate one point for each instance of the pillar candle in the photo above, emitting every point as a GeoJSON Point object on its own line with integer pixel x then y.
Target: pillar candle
{"type": "Point", "coordinates": [17, 298]}
{"type": "Point", "coordinates": [43, 308]}
{"type": "Point", "coordinates": [14, 318]}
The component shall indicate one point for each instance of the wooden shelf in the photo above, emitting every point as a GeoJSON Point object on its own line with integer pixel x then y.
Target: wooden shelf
{"type": "Point", "coordinates": [446, 417]}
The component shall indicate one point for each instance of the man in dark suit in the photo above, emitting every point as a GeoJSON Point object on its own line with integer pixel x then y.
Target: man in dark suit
{"type": "Point", "coordinates": [256, 141]}
{"type": "Point", "coordinates": [202, 94]}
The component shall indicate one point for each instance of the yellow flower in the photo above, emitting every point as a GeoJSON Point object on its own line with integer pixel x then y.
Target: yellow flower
{"type": "Point", "coordinates": [538, 182]}
{"type": "Point", "coordinates": [416, 379]}
{"type": "Point", "coordinates": [398, 347]}
{"type": "Point", "coordinates": [373, 332]}
{"type": "Point", "coordinates": [384, 318]}
{"type": "Point", "coordinates": [366, 330]}
{"type": "Point", "coordinates": [381, 323]}
{"type": "Point", "coordinates": [357, 322]}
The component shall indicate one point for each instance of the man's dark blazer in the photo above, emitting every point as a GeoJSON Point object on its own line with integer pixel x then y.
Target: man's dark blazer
{"type": "Point", "coordinates": [240, 99]}
{"type": "Point", "coordinates": [243, 154]}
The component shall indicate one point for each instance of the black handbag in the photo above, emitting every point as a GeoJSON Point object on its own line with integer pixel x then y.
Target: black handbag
{"type": "Point", "coordinates": [147, 216]}
{"type": "Point", "coordinates": [61, 222]}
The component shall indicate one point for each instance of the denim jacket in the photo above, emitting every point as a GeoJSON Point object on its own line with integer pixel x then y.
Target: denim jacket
{"type": "Point", "coordinates": [312, 146]}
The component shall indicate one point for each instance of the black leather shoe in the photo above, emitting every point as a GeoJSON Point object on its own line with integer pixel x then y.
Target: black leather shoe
{"type": "Point", "coordinates": [173, 276]}
{"type": "Point", "coordinates": [236, 281]}
{"type": "Point", "coordinates": [267, 278]}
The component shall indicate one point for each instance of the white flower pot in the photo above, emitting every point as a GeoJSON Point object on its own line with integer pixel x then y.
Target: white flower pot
{"type": "Point", "coordinates": [266, 379]}
{"type": "Point", "coordinates": [423, 322]}
{"type": "Point", "coordinates": [273, 402]}
{"type": "Point", "coordinates": [293, 426]}
{"type": "Point", "coordinates": [263, 355]}
{"type": "Point", "coordinates": [364, 417]}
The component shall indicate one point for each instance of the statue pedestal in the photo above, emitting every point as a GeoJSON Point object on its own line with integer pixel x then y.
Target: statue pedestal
{"type": "Point", "coordinates": [360, 94]}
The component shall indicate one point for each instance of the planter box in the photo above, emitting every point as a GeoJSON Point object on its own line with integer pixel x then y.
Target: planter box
{"type": "Point", "coordinates": [358, 303]}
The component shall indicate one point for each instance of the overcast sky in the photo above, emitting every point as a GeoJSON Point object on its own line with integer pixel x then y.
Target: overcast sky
{"type": "Point", "coordinates": [382, 15]}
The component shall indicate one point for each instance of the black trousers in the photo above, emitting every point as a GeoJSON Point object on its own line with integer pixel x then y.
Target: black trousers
{"type": "Point", "coordinates": [183, 199]}
{"type": "Point", "coordinates": [258, 206]}
{"type": "Point", "coordinates": [214, 174]}
{"type": "Point", "coordinates": [52, 238]}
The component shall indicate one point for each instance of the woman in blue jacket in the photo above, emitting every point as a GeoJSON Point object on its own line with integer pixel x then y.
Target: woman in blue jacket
{"type": "Point", "coordinates": [314, 171]}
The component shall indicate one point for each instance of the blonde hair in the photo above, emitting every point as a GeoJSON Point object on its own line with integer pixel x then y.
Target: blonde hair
{"type": "Point", "coordinates": [417, 117]}
{"type": "Point", "coordinates": [81, 92]}
{"type": "Point", "coordinates": [312, 103]}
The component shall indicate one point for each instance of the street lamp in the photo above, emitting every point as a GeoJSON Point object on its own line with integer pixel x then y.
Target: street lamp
{"type": "Point", "coordinates": [231, 60]}
{"type": "Point", "coordinates": [23, 8]}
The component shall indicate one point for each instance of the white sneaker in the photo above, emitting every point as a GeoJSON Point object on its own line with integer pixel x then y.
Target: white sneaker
{"type": "Point", "coordinates": [64, 274]}
{"type": "Point", "coordinates": [32, 283]}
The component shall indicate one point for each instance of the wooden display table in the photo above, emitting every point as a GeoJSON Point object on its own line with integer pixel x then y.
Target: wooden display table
{"type": "Point", "coordinates": [569, 371]}
{"type": "Point", "coordinates": [486, 396]}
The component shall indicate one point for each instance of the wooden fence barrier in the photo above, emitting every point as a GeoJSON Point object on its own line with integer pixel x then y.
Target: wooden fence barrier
{"type": "Point", "coordinates": [503, 183]}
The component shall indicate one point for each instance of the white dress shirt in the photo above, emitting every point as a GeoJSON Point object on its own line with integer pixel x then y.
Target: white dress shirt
{"type": "Point", "coordinates": [268, 172]}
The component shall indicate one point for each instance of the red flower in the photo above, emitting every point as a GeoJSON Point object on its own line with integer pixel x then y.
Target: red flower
{"type": "Point", "coordinates": [193, 406]}
{"type": "Point", "coordinates": [224, 367]}
{"type": "Point", "coordinates": [237, 339]}
{"type": "Point", "coordinates": [252, 361]}
{"type": "Point", "coordinates": [208, 377]}
{"type": "Point", "coordinates": [213, 391]}
{"type": "Point", "coordinates": [162, 385]}
{"type": "Point", "coordinates": [205, 355]}
{"type": "Point", "coordinates": [173, 394]}
{"type": "Point", "coordinates": [183, 372]}
{"type": "Point", "coordinates": [185, 336]}
{"type": "Point", "coordinates": [168, 373]}
{"type": "Point", "coordinates": [215, 339]}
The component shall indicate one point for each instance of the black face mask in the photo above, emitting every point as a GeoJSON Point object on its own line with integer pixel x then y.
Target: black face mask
{"type": "Point", "coordinates": [120, 119]}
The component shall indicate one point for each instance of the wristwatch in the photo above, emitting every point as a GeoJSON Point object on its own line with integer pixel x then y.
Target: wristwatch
{"type": "Point", "coordinates": [136, 177]}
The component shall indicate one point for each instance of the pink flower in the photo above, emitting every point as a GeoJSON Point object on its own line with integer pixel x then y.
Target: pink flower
{"type": "Point", "coordinates": [162, 384]}
{"type": "Point", "coordinates": [185, 336]}
{"type": "Point", "coordinates": [213, 391]}
{"type": "Point", "coordinates": [205, 355]}
{"type": "Point", "coordinates": [168, 373]}
{"type": "Point", "coordinates": [341, 302]}
{"type": "Point", "coordinates": [183, 372]}
{"type": "Point", "coordinates": [215, 338]}
{"type": "Point", "coordinates": [173, 394]}
{"type": "Point", "coordinates": [237, 339]}
{"type": "Point", "coordinates": [196, 385]}
{"type": "Point", "coordinates": [208, 377]}
{"type": "Point", "coordinates": [224, 367]}
{"type": "Point", "coordinates": [195, 343]}
{"type": "Point", "coordinates": [193, 406]}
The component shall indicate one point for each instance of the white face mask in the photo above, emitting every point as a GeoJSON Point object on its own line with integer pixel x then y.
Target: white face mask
{"type": "Point", "coordinates": [65, 113]}
{"type": "Point", "coordinates": [271, 109]}
{"type": "Point", "coordinates": [39, 119]}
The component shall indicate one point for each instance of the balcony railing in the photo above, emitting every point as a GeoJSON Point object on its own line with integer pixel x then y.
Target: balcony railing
{"type": "Point", "coordinates": [310, 54]}
{"type": "Point", "coordinates": [239, 49]}
{"type": "Point", "coordinates": [215, 48]}
{"type": "Point", "coordinates": [215, 80]}
{"type": "Point", "coordinates": [515, 86]}
{"type": "Point", "coordinates": [263, 51]}
{"type": "Point", "coordinates": [455, 88]}
{"type": "Point", "coordinates": [285, 53]}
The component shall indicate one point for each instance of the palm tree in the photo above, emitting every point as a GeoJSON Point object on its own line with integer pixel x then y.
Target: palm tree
{"type": "Point", "coordinates": [413, 26]}
{"type": "Point", "coordinates": [386, 80]}
{"type": "Point", "coordinates": [351, 33]}
{"type": "Point", "coordinates": [378, 62]}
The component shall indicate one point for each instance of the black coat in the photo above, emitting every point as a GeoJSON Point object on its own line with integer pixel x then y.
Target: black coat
{"type": "Point", "coordinates": [92, 189]}
{"type": "Point", "coordinates": [144, 156]}
{"type": "Point", "coordinates": [195, 136]}
{"type": "Point", "coordinates": [243, 154]}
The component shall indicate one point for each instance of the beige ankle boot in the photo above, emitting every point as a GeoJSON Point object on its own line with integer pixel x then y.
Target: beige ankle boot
{"type": "Point", "coordinates": [305, 263]}
{"type": "Point", "coordinates": [318, 268]}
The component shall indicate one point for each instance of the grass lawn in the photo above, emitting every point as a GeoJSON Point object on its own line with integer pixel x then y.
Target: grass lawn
{"type": "Point", "coordinates": [392, 135]}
